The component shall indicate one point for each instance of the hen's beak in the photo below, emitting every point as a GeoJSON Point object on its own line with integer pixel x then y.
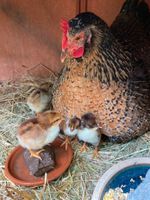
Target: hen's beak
{"type": "Point", "coordinates": [63, 55]}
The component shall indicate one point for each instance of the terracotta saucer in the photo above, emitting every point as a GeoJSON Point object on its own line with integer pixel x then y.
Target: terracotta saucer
{"type": "Point", "coordinates": [17, 172]}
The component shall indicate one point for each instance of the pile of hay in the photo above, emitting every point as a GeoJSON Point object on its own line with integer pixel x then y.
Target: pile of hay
{"type": "Point", "coordinates": [80, 179]}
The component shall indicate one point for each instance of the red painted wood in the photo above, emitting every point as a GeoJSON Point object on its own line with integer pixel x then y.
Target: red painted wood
{"type": "Point", "coordinates": [30, 34]}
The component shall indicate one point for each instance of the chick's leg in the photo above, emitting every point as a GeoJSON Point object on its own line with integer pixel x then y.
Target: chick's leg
{"type": "Point", "coordinates": [66, 143]}
{"type": "Point", "coordinates": [84, 147]}
{"type": "Point", "coordinates": [36, 153]}
{"type": "Point", "coordinates": [95, 153]}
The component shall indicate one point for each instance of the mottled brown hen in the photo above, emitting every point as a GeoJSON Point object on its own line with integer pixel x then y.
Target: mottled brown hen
{"type": "Point", "coordinates": [107, 71]}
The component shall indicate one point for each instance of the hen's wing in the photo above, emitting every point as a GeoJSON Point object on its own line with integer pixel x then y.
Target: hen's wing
{"type": "Point", "coordinates": [132, 29]}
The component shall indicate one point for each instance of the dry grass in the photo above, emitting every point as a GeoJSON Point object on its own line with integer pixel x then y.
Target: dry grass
{"type": "Point", "coordinates": [80, 179]}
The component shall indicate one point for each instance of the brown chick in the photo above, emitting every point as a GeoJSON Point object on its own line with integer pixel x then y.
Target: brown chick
{"type": "Point", "coordinates": [89, 132]}
{"type": "Point", "coordinates": [38, 100]}
{"type": "Point", "coordinates": [35, 133]}
{"type": "Point", "coordinates": [70, 129]}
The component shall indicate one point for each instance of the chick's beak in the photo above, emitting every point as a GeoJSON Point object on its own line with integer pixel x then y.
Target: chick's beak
{"type": "Point", "coordinates": [63, 55]}
{"type": "Point", "coordinates": [72, 128]}
{"type": "Point", "coordinates": [60, 120]}
{"type": "Point", "coordinates": [57, 120]}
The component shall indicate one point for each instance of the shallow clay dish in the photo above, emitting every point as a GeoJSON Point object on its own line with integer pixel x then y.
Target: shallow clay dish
{"type": "Point", "coordinates": [17, 171]}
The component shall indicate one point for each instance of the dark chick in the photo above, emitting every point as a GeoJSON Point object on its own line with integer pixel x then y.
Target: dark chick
{"type": "Point", "coordinates": [107, 71]}
{"type": "Point", "coordinates": [89, 132]}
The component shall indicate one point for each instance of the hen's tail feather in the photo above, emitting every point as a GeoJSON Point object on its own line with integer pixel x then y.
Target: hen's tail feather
{"type": "Point", "coordinates": [133, 13]}
{"type": "Point", "coordinates": [132, 29]}
{"type": "Point", "coordinates": [129, 5]}
{"type": "Point", "coordinates": [144, 13]}
{"type": "Point", "coordinates": [139, 7]}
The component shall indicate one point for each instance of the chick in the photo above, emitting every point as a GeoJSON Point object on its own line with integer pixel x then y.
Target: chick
{"type": "Point", "coordinates": [70, 129]}
{"type": "Point", "coordinates": [38, 100]}
{"type": "Point", "coordinates": [35, 133]}
{"type": "Point", "coordinates": [89, 132]}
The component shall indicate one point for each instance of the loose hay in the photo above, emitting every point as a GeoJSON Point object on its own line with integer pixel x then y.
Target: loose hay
{"type": "Point", "coordinates": [80, 179]}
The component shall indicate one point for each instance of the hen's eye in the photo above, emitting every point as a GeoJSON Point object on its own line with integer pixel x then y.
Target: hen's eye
{"type": "Point", "coordinates": [77, 38]}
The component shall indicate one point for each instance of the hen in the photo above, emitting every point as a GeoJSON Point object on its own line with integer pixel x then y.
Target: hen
{"type": "Point", "coordinates": [107, 71]}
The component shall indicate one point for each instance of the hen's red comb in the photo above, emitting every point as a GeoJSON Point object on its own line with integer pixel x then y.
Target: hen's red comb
{"type": "Point", "coordinates": [64, 26]}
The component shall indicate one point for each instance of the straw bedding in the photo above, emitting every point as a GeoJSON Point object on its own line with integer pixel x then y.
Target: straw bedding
{"type": "Point", "coordinates": [80, 179]}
